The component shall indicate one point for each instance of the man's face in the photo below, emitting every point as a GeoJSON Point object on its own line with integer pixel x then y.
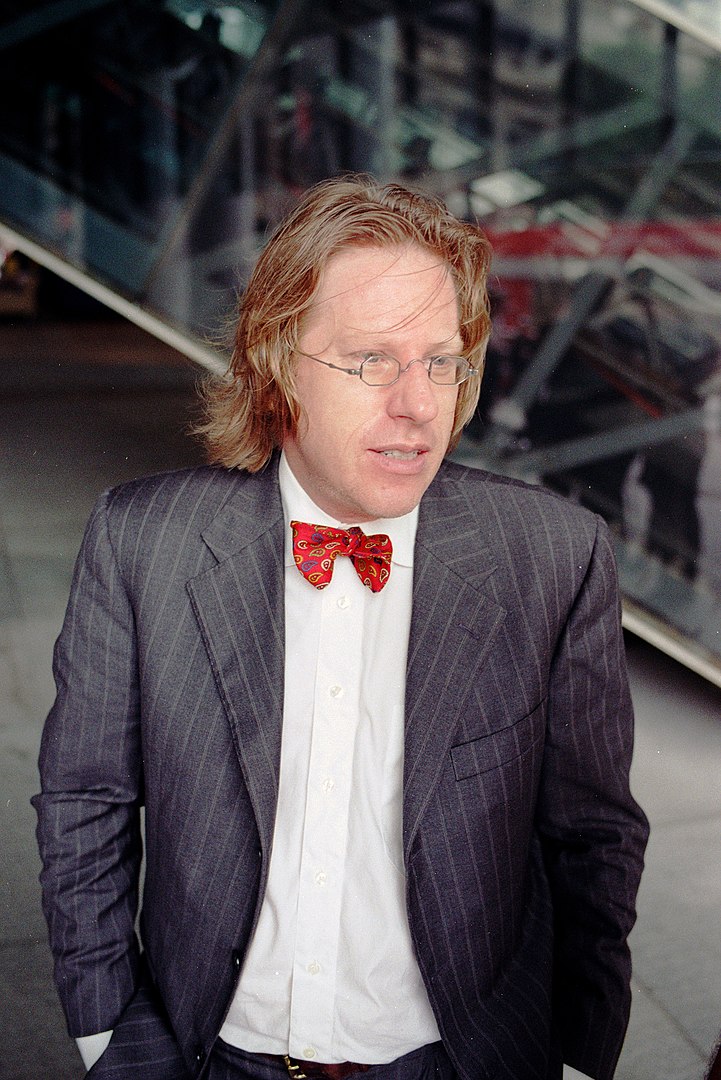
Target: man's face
{"type": "Point", "coordinates": [365, 452]}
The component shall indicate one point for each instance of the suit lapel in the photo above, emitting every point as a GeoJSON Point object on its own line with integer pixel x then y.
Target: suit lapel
{"type": "Point", "coordinates": [239, 604]}
{"type": "Point", "coordinates": [453, 625]}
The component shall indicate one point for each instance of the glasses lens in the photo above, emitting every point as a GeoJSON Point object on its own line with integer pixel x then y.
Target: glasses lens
{"type": "Point", "coordinates": [379, 370]}
{"type": "Point", "coordinates": [448, 370]}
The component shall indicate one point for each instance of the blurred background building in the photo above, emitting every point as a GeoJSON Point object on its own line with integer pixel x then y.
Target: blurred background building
{"type": "Point", "coordinates": [146, 149]}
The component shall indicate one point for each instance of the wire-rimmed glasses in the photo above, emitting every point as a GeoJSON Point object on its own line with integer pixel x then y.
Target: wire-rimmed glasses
{"type": "Point", "coordinates": [379, 369]}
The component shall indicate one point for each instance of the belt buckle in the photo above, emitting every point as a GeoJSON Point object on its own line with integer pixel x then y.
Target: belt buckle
{"type": "Point", "coordinates": [294, 1069]}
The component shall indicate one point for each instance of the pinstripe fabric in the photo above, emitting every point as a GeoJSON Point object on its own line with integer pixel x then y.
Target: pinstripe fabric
{"type": "Point", "coordinates": [523, 846]}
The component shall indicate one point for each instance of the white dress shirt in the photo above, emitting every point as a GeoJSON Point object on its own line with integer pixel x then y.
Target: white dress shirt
{"type": "Point", "coordinates": [331, 973]}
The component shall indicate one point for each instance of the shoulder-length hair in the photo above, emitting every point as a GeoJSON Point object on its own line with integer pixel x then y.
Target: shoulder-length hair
{"type": "Point", "coordinates": [250, 412]}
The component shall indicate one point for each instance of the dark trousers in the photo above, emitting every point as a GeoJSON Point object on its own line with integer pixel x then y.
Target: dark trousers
{"type": "Point", "coordinates": [428, 1063]}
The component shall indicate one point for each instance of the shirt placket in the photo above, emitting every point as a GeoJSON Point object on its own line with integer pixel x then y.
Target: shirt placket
{"type": "Point", "coordinates": [328, 793]}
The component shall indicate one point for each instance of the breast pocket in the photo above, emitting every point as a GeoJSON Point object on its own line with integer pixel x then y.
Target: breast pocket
{"type": "Point", "coordinates": [500, 747]}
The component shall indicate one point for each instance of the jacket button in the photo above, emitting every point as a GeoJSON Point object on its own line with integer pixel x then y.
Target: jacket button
{"type": "Point", "coordinates": [236, 957]}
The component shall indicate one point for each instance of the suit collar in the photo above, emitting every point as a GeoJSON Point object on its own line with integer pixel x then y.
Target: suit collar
{"type": "Point", "coordinates": [253, 508]}
{"type": "Point", "coordinates": [451, 532]}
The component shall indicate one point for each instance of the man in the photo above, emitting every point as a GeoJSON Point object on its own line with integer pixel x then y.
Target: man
{"type": "Point", "coordinates": [387, 819]}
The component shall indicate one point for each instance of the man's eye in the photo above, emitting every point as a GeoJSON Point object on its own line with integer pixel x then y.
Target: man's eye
{"type": "Point", "coordinates": [443, 361]}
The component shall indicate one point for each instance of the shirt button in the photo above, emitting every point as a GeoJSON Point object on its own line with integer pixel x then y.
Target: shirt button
{"type": "Point", "coordinates": [309, 1053]}
{"type": "Point", "coordinates": [314, 968]}
{"type": "Point", "coordinates": [336, 691]}
{"type": "Point", "coordinates": [320, 877]}
{"type": "Point", "coordinates": [343, 602]}
{"type": "Point", "coordinates": [328, 785]}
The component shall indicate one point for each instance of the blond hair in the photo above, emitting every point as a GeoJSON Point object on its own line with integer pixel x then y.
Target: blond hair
{"type": "Point", "coordinates": [254, 408]}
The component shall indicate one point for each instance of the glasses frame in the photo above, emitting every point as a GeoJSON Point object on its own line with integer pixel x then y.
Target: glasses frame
{"type": "Point", "coordinates": [470, 371]}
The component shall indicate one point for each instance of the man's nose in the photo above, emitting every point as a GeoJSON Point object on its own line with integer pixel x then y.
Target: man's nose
{"type": "Point", "coordinates": [414, 395]}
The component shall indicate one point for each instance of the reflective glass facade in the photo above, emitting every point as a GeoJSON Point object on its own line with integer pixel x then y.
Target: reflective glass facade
{"type": "Point", "coordinates": [151, 145]}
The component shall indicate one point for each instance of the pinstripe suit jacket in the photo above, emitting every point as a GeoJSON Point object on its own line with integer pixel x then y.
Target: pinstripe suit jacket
{"type": "Point", "coordinates": [523, 846]}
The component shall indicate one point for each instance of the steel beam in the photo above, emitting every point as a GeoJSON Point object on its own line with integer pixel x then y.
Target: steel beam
{"type": "Point", "coordinates": [574, 453]}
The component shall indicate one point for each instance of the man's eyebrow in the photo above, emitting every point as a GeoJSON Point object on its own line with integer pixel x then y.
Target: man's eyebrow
{"type": "Point", "coordinates": [348, 336]}
{"type": "Point", "coordinates": [449, 346]}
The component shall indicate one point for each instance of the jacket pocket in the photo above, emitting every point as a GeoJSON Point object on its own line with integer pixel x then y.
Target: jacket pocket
{"type": "Point", "coordinates": [500, 747]}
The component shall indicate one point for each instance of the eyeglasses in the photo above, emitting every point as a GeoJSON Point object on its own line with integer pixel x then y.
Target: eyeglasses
{"type": "Point", "coordinates": [377, 369]}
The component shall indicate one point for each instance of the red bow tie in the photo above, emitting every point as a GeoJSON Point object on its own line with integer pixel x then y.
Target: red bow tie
{"type": "Point", "coordinates": [316, 547]}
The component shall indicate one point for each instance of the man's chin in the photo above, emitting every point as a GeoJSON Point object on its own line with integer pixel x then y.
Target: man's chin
{"type": "Point", "coordinates": [395, 503]}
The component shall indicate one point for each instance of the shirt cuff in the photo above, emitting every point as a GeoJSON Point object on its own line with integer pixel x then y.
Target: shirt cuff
{"type": "Point", "coordinates": [92, 1047]}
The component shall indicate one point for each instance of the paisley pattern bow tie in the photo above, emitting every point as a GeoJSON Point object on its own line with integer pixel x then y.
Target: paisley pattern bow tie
{"type": "Point", "coordinates": [316, 547]}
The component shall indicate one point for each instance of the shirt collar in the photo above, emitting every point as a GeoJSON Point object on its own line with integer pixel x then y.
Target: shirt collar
{"type": "Point", "coordinates": [298, 506]}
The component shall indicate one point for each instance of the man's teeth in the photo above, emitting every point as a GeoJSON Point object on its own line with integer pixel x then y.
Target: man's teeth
{"type": "Point", "coordinates": [406, 455]}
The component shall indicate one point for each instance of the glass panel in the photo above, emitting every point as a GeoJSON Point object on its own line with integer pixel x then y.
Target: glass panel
{"type": "Point", "coordinates": [604, 372]}
{"type": "Point", "coordinates": [98, 154]}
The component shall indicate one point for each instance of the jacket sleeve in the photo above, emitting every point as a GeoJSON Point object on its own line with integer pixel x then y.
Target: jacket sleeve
{"type": "Point", "coordinates": [91, 793]}
{"type": "Point", "coordinates": [593, 833]}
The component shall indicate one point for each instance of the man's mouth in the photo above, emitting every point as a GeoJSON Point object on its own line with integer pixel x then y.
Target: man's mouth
{"type": "Point", "coordinates": [404, 455]}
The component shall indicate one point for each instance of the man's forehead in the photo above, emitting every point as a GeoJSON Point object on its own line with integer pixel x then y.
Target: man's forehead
{"type": "Point", "coordinates": [385, 288]}
{"type": "Point", "coordinates": [358, 266]}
